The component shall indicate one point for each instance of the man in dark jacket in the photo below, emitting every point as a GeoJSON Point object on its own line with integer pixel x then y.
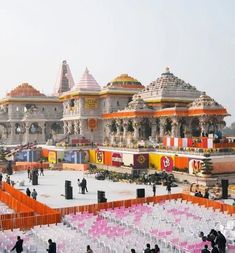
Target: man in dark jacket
{"type": "Point", "coordinates": [19, 245]}
{"type": "Point", "coordinates": [52, 246]}
{"type": "Point", "coordinates": [147, 250]}
{"type": "Point", "coordinates": [214, 249]}
{"type": "Point", "coordinates": [221, 242]}
{"type": "Point", "coordinates": [205, 250]}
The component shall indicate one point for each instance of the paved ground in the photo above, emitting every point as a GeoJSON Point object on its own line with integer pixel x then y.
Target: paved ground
{"type": "Point", "coordinates": [51, 188]}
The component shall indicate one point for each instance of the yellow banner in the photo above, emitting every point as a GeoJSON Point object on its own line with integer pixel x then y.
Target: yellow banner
{"type": "Point", "coordinates": [91, 103]}
{"type": "Point", "coordinates": [52, 157]}
{"type": "Point", "coordinates": [100, 157]}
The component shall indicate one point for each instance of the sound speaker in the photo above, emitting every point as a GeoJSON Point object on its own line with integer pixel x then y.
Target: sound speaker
{"type": "Point", "coordinates": [67, 183]}
{"type": "Point", "coordinates": [69, 193]}
{"type": "Point", "coordinates": [68, 190]}
{"type": "Point", "coordinates": [34, 177]}
{"type": "Point", "coordinates": [101, 197]}
{"type": "Point", "coordinates": [224, 183]}
{"type": "Point", "coordinates": [140, 193]}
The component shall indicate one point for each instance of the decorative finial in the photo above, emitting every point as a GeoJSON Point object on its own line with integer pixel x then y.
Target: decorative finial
{"type": "Point", "coordinates": [86, 70]}
{"type": "Point", "coordinates": [64, 62]}
{"type": "Point", "coordinates": [167, 70]}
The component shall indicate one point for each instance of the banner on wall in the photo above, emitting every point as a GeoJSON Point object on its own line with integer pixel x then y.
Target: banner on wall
{"type": "Point", "coordinates": [100, 157]}
{"type": "Point", "coordinates": [167, 163]}
{"type": "Point", "coordinates": [116, 159]}
{"type": "Point", "coordinates": [69, 157]}
{"type": "Point", "coordinates": [52, 157]}
{"type": "Point", "coordinates": [92, 123]}
{"type": "Point", "coordinates": [91, 103]}
{"type": "Point", "coordinates": [195, 166]}
{"type": "Point", "coordinates": [141, 161]}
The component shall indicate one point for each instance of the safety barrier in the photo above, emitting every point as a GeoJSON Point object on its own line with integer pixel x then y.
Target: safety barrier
{"type": "Point", "coordinates": [29, 212]}
{"type": "Point", "coordinates": [19, 166]}
{"type": "Point", "coordinates": [94, 208]}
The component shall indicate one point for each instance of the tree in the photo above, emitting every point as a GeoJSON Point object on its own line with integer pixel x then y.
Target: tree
{"type": "Point", "coordinates": [207, 165]}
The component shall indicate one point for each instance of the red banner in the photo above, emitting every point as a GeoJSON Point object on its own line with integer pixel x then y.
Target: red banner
{"type": "Point", "coordinates": [167, 163]}
{"type": "Point", "coordinates": [116, 159]}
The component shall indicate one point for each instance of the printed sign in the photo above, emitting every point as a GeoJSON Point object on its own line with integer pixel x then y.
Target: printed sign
{"type": "Point", "coordinates": [116, 159]}
{"type": "Point", "coordinates": [100, 157]}
{"type": "Point", "coordinates": [167, 163]}
{"type": "Point", "coordinates": [91, 103]}
{"type": "Point", "coordinates": [141, 161]}
{"type": "Point", "coordinates": [92, 123]}
{"type": "Point", "coordinates": [52, 157]}
{"type": "Point", "coordinates": [195, 166]}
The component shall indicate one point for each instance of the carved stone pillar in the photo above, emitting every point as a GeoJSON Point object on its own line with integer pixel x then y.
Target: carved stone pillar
{"type": "Point", "coordinates": [12, 132]}
{"type": "Point", "coordinates": [136, 126]}
{"type": "Point", "coordinates": [203, 123]}
{"type": "Point", "coordinates": [76, 127]}
{"type": "Point", "coordinates": [125, 128]}
{"type": "Point", "coordinates": [118, 126]}
{"type": "Point", "coordinates": [82, 127]}
{"type": "Point", "coordinates": [70, 127]}
{"type": "Point", "coordinates": [153, 129]}
{"type": "Point", "coordinates": [174, 127]}
{"type": "Point", "coordinates": [108, 129]}
{"type": "Point", "coordinates": [42, 125]}
{"type": "Point", "coordinates": [162, 126]}
{"type": "Point", "coordinates": [65, 127]}
{"type": "Point", "coordinates": [27, 126]}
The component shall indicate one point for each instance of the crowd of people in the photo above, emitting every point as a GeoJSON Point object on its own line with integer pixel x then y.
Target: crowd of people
{"type": "Point", "coordinates": [217, 241]}
{"type": "Point", "coordinates": [199, 194]}
{"type": "Point", "coordinates": [82, 186]}
{"type": "Point", "coordinates": [148, 249]}
{"type": "Point", "coordinates": [18, 247]}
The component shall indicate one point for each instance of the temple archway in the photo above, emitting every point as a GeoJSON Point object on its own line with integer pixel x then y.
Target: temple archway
{"type": "Point", "coordinates": [168, 126]}
{"type": "Point", "coordinates": [196, 129]}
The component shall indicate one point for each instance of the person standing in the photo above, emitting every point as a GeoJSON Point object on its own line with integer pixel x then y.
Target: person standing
{"type": "Point", "coordinates": [168, 187]}
{"type": "Point", "coordinates": [221, 242]}
{"type": "Point", "coordinates": [28, 192]}
{"type": "Point", "coordinates": [154, 189]}
{"type": "Point", "coordinates": [205, 250]}
{"type": "Point", "coordinates": [1, 180]}
{"type": "Point", "coordinates": [79, 186]}
{"type": "Point", "coordinates": [41, 171]}
{"type": "Point", "coordinates": [34, 194]}
{"type": "Point", "coordinates": [88, 249]}
{"type": "Point", "coordinates": [156, 249]}
{"type": "Point", "coordinates": [214, 249]}
{"type": "Point", "coordinates": [18, 246]}
{"type": "Point", "coordinates": [147, 250]}
{"type": "Point", "coordinates": [52, 246]}
{"type": "Point", "coordinates": [28, 171]}
{"type": "Point", "coordinates": [85, 184]}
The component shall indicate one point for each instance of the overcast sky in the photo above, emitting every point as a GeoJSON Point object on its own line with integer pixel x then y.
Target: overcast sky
{"type": "Point", "coordinates": [196, 39]}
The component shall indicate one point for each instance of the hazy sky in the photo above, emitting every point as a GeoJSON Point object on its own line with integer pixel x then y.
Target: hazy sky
{"type": "Point", "coordinates": [196, 39]}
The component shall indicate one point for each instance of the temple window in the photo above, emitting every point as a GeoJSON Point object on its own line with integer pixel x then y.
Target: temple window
{"type": "Point", "coordinates": [118, 103]}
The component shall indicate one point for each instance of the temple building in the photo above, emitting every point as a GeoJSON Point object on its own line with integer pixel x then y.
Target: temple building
{"type": "Point", "coordinates": [27, 115]}
{"type": "Point", "coordinates": [119, 113]}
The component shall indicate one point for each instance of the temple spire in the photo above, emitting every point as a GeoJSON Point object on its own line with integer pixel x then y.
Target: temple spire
{"type": "Point", "coordinates": [65, 79]}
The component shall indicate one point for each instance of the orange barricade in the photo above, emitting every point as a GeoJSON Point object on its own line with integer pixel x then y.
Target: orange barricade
{"type": "Point", "coordinates": [29, 212]}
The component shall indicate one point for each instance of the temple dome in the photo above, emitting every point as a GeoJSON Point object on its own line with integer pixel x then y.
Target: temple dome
{"type": "Point", "coordinates": [125, 81]}
{"type": "Point", "coordinates": [205, 101]}
{"type": "Point", "coordinates": [25, 90]}
{"type": "Point", "coordinates": [170, 87]}
{"type": "Point", "coordinates": [137, 104]}
{"type": "Point", "coordinates": [87, 82]}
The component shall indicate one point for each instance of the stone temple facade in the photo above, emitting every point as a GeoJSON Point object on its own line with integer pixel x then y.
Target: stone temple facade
{"type": "Point", "coordinates": [28, 116]}
{"type": "Point", "coordinates": [121, 112]}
